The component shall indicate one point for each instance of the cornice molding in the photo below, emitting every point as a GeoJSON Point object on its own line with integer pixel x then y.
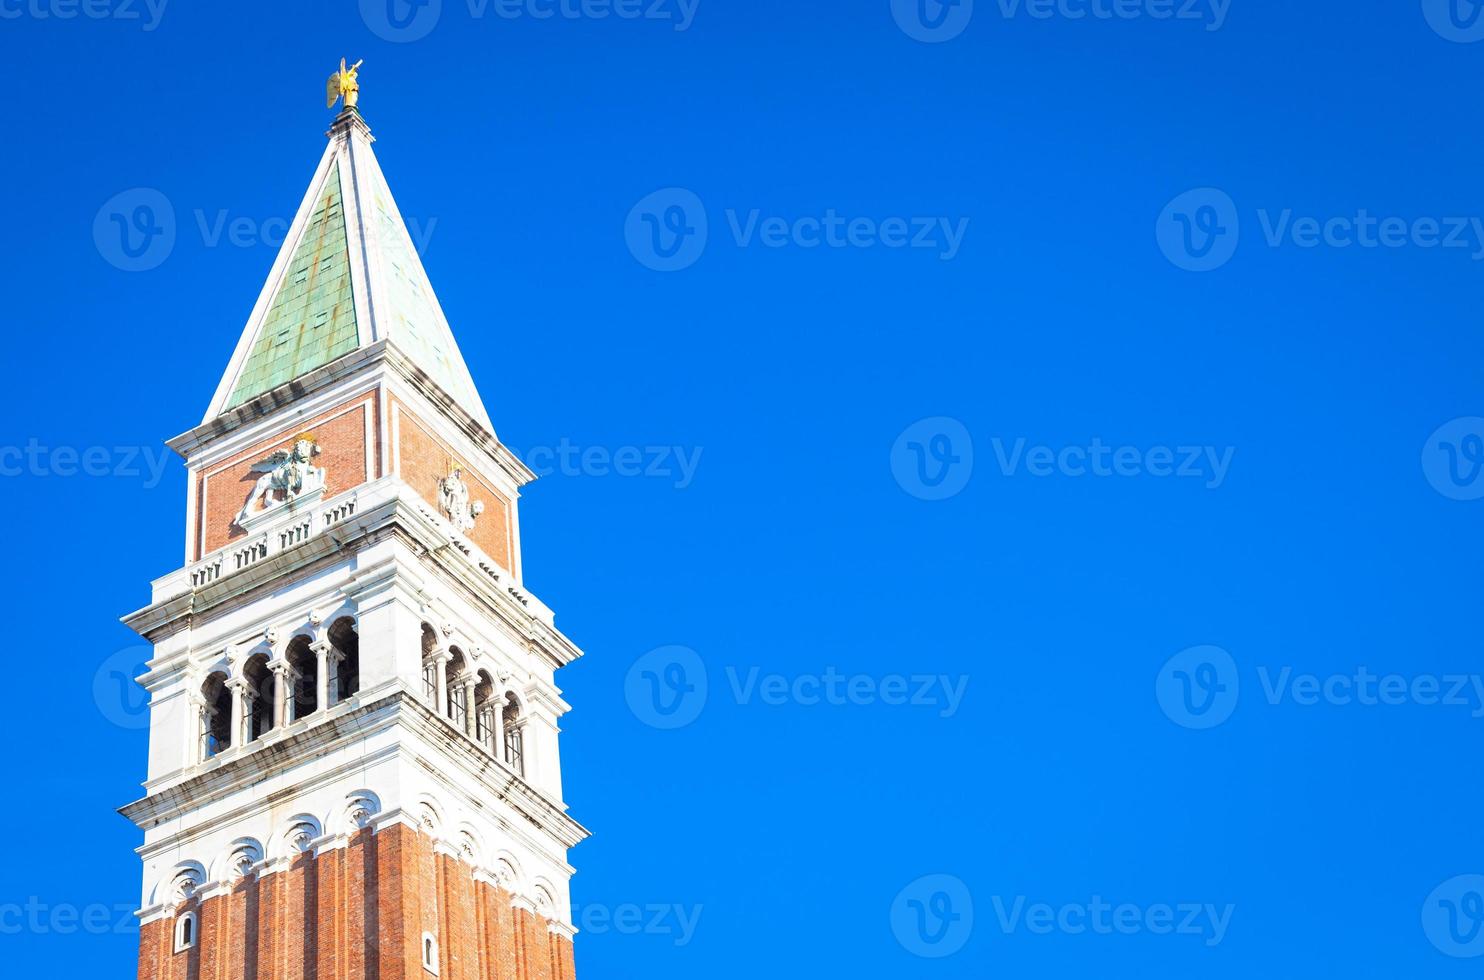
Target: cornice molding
{"type": "Point", "coordinates": [404, 516]}
{"type": "Point", "coordinates": [398, 709]}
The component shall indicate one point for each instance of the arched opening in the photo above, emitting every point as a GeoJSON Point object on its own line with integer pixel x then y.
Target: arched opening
{"type": "Point", "coordinates": [346, 643]}
{"type": "Point", "coordinates": [458, 697]}
{"type": "Point", "coordinates": [304, 669]}
{"type": "Point", "coordinates": [430, 953]}
{"type": "Point", "coordinates": [216, 716]}
{"type": "Point", "coordinates": [485, 706]}
{"type": "Point", "coordinates": [514, 724]}
{"type": "Point", "coordinates": [258, 709]}
{"type": "Point", "coordinates": [430, 664]}
{"type": "Point", "coordinates": [185, 931]}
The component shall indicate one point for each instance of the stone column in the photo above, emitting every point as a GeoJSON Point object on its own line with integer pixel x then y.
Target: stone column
{"type": "Point", "coordinates": [332, 680]}
{"type": "Point", "coordinates": [321, 675]}
{"type": "Point", "coordinates": [499, 728]}
{"type": "Point", "coordinates": [282, 682]}
{"type": "Point", "coordinates": [469, 719]}
{"type": "Point", "coordinates": [441, 658]}
{"type": "Point", "coordinates": [201, 714]}
{"type": "Point", "coordinates": [239, 696]}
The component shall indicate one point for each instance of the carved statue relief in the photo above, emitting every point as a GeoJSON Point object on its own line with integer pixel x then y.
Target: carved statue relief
{"type": "Point", "coordinates": [287, 475]}
{"type": "Point", "coordinates": [453, 497]}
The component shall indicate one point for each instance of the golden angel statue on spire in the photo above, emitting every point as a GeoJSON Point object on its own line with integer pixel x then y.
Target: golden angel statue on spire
{"type": "Point", "coordinates": [343, 84]}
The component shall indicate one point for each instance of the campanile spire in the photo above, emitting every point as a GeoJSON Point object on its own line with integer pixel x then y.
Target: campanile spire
{"type": "Point", "coordinates": [354, 768]}
{"type": "Point", "coordinates": [348, 276]}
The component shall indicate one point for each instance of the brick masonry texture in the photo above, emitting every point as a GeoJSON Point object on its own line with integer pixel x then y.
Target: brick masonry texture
{"type": "Point", "coordinates": [359, 913]}
{"type": "Point", "coordinates": [424, 459]}
{"type": "Point", "coordinates": [342, 437]}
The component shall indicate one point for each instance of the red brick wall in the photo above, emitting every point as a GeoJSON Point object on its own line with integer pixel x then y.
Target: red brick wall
{"type": "Point", "coordinates": [359, 913]}
{"type": "Point", "coordinates": [424, 459]}
{"type": "Point", "coordinates": [341, 434]}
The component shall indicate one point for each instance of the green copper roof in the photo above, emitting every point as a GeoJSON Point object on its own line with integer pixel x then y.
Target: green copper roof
{"type": "Point", "coordinates": [417, 327]}
{"type": "Point", "coordinates": [312, 320]}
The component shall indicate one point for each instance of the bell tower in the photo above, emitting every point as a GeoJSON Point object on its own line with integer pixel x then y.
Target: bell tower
{"type": "Point", "coordinates": [353, 751]}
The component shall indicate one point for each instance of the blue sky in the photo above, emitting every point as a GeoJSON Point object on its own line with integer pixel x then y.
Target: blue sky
{"type": "Point", "coordinates": [1189, 305]}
